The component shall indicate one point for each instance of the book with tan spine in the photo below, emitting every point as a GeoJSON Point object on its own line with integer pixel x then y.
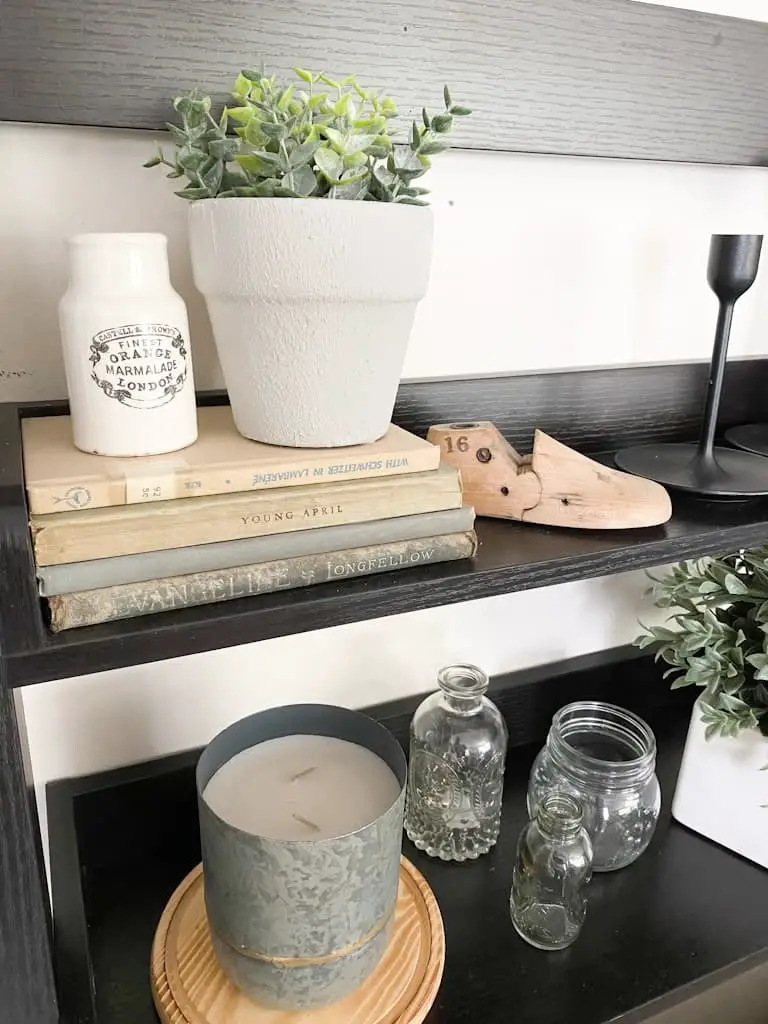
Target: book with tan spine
{"type": "Point", "coordinates": [86, 608]}
{"type": "Point", "coordinates": [60, 477]}
{"type": "Point", "coordinates": [103, 532]}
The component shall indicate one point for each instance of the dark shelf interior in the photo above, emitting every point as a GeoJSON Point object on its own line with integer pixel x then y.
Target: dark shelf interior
{"type": "Point", "coordinates": [685, 916]}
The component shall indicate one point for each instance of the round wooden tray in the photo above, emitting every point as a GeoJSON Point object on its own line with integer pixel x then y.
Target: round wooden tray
{"type": "Point", "coordinates": [189, 987]}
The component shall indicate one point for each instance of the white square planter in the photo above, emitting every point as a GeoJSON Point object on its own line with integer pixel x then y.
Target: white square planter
{"type": "Point", "coordinates": [722, 792]}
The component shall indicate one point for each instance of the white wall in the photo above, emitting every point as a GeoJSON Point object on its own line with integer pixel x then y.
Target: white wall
{"type": "Point", "coordinates": [541, 262]}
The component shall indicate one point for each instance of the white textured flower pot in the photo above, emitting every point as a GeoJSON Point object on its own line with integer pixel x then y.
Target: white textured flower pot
{"type": "Point", "coordinates": [722, 793]}
{"type": "Point", "coordinates": [311, 303]}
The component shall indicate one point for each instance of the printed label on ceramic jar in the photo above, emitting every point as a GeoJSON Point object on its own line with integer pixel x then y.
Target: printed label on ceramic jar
{"type": "Point", "coordinates": [140, 365]}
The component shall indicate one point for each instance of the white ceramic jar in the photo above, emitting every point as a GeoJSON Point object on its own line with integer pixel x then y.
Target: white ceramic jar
{"type": "Point", "coordinates": [125, 338]}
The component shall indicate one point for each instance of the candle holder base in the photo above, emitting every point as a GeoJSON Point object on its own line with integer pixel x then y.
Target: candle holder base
{"type": "Point", "coordinates": [752, 437]}
{"type": "Point", "coordinates": [731, 475]}
{"type": "Point", "coordinates": [189, 987]}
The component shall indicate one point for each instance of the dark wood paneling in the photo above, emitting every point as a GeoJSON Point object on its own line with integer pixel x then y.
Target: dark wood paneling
{"type": "Point", "coordinates": [27, 992]}
{"type": "Point", "coordinates": [596, 77]}
{"type": "Point", "coordinates": [592, 410]}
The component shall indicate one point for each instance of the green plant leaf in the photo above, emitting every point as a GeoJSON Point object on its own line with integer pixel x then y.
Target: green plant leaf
{"type": "Point", "coordinates": [442, 123]}
{"type": "Point", "coordinates": [243, 115]}
{"type": "Point", "coordinates": [212, 175]}
{"type": "Point", "coordinates": [305, 76]}
{"type": "Point", "coordinates": [329, 163]}
{"type": "Point", "coordinates": [261, 163]}
{"type": "Point", "coordinates": [432, 146]}
{"type": "Point", "coordinates": [224, 149]}
{"type": "Point", "coordinates": [459, 111]}
{"type": "Point", "coordinates": [415, 136]}
{"type": "Point", "coordinates": [734, 585]}
{"type": "Point", "coordinates": [303, 154]}
{"type": "Point", "coordinates": [337, 138]}
{"type": "Point", "coordinates": [358, 144]}
{"type": "Point", "coordinates": [285, 99]}
{"type": "Point", "coordinates": [191, 160]}
{"type": "Point", "coordinates": [272, 130]}
{"type": "Point", "coordinates": [303, 180]}
{"type": "Point", "coordinates": [194, 193]}
{"type": "Point", "coordinates": [447, 97]}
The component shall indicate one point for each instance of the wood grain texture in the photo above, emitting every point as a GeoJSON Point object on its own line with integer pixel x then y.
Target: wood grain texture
{"type": "Point", "coordinates": [598, 410]}
{"type": "Point", "coordinates": [189, 987]}
{"type": "Point", "coordinates": [554, 486]}
{"type": "Point", "coordinates": [27, 991]}
{"type": "Point", "coordinates": [595, 77]}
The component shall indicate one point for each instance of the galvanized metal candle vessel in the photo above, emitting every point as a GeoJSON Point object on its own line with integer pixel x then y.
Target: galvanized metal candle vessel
{"type": "Point", "coordinates": [299, 924]}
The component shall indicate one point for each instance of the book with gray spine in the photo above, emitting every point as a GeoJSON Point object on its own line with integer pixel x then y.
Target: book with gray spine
{"type": "Point", "coordinates": [152, 565]}
{"type": "Point", "coordinates": [85, 608]}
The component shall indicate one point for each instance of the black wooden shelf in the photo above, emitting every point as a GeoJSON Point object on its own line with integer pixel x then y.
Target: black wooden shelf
{"type": "Point", "coordinates": [511, 557]}
{"type": "Point", "coordinates": [586, 409]}
{"type": "Point", "coordinates": [687, 916]}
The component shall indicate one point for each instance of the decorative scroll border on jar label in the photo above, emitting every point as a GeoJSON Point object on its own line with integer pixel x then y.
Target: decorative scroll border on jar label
{"type": "Point", "coordinates": [142, 366]}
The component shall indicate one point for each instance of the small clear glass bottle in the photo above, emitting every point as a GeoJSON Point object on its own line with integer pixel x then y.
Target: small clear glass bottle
{"type": "Point", "coordinates": [605, 757]}
{"type": "Point", "coordinates": [552, 869]}
{"type": "Point", "coordinates": [456, 768]}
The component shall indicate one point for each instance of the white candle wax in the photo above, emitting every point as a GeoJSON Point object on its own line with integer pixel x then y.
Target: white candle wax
{"type": "Point", "coordinates": [302, 787]}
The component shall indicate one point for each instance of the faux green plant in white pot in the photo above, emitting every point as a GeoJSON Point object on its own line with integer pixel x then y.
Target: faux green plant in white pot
{"type": "Point", "coordinates": [718, 640]}
{"type": "Point", "coordinates": [311, 244]}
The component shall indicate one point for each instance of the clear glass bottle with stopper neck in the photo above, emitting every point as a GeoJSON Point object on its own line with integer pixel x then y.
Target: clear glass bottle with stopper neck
{"type": "Point", "coordinates": [552, 869]}
{"type": "Point", "coordinates": [458, 748]}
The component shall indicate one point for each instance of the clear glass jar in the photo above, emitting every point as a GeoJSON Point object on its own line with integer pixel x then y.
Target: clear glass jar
{"type": "Point", "coordinates": [552, 869]}
{"type": "Point", "coordinates": [456, 768]}
{"type": "Point", "coordinates": [606, 758]}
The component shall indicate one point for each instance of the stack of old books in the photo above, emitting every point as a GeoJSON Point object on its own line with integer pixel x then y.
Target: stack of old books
{"type": "Point", "coordinates": [227, 517]}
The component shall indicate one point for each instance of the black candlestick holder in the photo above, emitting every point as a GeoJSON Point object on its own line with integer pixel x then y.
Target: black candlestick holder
{"type": "Point", "coordinates": [752, 437]}
{"type": "Point", "coordinates": [702, 468]}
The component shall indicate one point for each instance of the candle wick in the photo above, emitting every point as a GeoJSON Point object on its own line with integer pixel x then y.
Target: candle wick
{"type": "Point", "coordinates": [309, 824]}
{"type": "Point", "coordinates": [301, 774]}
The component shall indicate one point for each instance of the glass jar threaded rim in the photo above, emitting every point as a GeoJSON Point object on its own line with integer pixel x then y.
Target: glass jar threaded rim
{"type": "Point", "coordinates": [559, 815]}
{"type": "Point", "coordinates": [594, 742]}
{"type": "Point", "coordinates": [462, 681]}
